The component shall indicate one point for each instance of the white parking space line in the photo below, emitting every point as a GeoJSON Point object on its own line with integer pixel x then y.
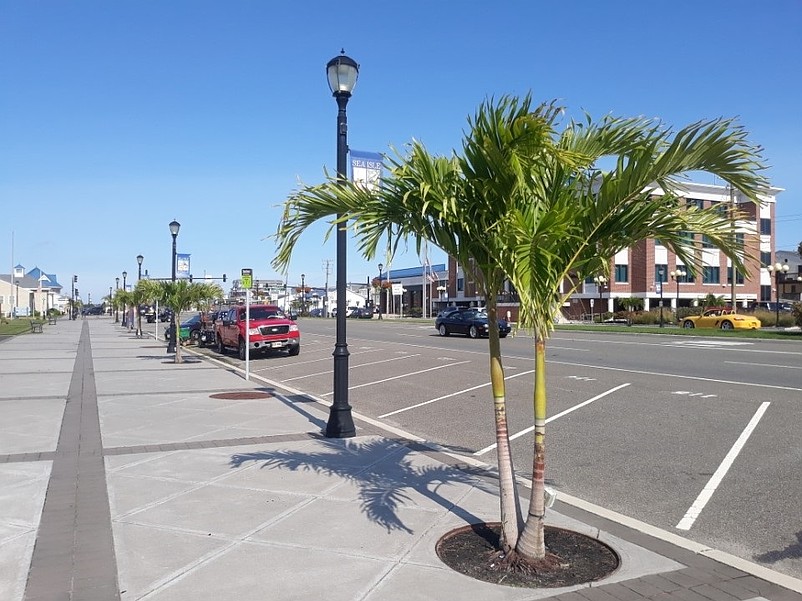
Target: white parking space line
{"type": "Point", "coordinates": [763, 364]}
{"type": "Point", "coordinates": [283, 366]}
{"type": "Point", "coordinates": [553, 417]}
{"type": "Point", "coordinates": [453, 394]}
{"type": "Point", "coordinates": [350, 367]}
{"type": "Point", "coordinates": [707, 492]}
{"type": "Point", "coordinates": [414, 373]}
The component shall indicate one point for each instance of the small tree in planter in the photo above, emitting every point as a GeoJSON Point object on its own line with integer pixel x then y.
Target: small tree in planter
{"type": "Point", "coordinates": [631, 304]}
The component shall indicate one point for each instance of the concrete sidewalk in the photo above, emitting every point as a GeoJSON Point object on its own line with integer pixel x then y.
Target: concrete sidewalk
{"type": "Point", "coordinates": [125, 476]}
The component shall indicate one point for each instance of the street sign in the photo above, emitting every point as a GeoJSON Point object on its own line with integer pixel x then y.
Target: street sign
{"type": "Point", "coordinates": [247, 278]}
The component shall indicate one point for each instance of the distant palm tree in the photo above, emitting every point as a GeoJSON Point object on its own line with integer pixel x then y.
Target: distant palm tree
{"type": "Point", "coordinates": [535, 206]}
{"type": "Point", "coordinates": [181, 296]}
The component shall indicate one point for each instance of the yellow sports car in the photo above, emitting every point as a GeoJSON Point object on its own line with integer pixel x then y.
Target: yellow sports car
{"type": "Point", "coordinates": [723, 318]}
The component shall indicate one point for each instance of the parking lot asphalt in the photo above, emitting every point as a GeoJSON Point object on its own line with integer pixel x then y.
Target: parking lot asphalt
{"type": "Point", "coordinates": [126, 476]}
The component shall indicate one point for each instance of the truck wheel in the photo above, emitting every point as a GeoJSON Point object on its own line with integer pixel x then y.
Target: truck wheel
{"type": "Point", "coordinates": [194, 336]}
{"type": "Point", "coordinates": [220, 347]}
{"type": "Point", "coordinates": [241, 353]}
{"type": "Point", "coordinates": [294, 350]}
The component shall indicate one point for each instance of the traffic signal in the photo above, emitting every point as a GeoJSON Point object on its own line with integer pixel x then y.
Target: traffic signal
{"type": "Point", "coordinates": [224, 278]}
{"type": "Point", "coordinates": [74, 278]}
{"type": "Point", "coordinates": [190, 278]}
{"type": "Point", "coordinates": [77, 295]}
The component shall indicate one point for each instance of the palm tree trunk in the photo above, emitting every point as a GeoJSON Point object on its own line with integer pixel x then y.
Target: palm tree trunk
{"type": "Point", "coordinates": [532, 545]}
{"type": "Point", "coordinates": [510, 507]}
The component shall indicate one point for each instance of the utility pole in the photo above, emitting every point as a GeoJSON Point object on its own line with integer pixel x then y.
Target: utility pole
{"type": "Point", "coordinates": [326, 268]}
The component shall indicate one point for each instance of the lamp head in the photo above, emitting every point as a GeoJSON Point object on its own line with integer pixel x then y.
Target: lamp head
{"type": "Point", "coordinates": [174, 227]}
{"type": "Point", "coordinates": [342, 72]}
{"type": "Point", "coordinates": [139, 259]}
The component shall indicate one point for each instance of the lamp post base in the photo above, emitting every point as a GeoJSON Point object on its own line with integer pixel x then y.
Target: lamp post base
{"type": "Point", "coordinates": [341, 423]}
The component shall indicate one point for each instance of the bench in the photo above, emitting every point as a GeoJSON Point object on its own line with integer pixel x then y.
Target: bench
{"type": "Point", "coordinates": [36, 327]}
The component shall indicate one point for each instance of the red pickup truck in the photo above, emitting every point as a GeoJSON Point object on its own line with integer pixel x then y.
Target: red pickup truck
{"type": "Point", "coordinates": [269, 329]}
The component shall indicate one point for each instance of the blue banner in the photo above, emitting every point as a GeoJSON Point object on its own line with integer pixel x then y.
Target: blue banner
{"type": "Point", "coordinates": [366, 168]}
{"type": "Point", "coordinates": [182, 266]}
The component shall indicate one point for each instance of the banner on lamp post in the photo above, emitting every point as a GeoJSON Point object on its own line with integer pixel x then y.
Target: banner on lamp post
{"type": "Point", "coordinates": [182, 265]}
{"type": "Point", "coordinates": [366, 168]}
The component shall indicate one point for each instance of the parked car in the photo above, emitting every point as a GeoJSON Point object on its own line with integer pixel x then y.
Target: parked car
{"type": "Point", "coordinates": [190, 329]}
{"type": "Point", "coordinates": [361, 313]}
{"type": "Point", "coordinates": [785, 307]}
{"type": "Point", "coordinates": [165, 315]}
{"type": "Point", "coordinates": [471, 322]}
{"type": "Point", "coordinates": [148, 312]}
{"type": "Point", "coordinates": [723, 318]}
{"type": "Point", "coordinates": [269, 329]}
{"type": "Point", "coordinates": [316, 312]}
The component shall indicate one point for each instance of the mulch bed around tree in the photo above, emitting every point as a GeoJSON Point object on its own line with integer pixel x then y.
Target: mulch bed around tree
{"type": "Point", "coordinates": [571, 558]}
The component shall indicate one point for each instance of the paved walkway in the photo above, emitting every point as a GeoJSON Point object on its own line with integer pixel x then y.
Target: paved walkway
{"type": "Point", "coordinates": [125, 476]}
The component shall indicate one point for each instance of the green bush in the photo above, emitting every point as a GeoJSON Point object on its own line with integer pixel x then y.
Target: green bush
{"type": "Point", "coordinates": [769, 318]}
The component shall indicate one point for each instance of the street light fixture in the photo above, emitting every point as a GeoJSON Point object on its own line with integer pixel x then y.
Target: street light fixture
{"type": "Point", "coordinates": [380, 289]}
{"type": "Point", "coordinates": [777, 269]}
{"type": "Point", "coordinates": [139, 259]}
{"type": "Point", "coordinates": [660, 276]}
{"type": "Point", "coordinates": [676, 275]}
{"type": "Point", "coordinates": [342, 72]}
{"type": "Point", "coordinates": [174, 227]}
{"type": "Point", "coordinates": [601, 282]}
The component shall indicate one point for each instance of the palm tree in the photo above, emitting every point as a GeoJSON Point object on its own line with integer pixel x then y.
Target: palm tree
{"type": "Point", "coordinates": [145, 293]}
{"type": "Point", "coordinates": [123, 299]}
{"type": "Point", "coordinates": [181, 296]}
{"type": "Point", "coordinates": [534, 206]}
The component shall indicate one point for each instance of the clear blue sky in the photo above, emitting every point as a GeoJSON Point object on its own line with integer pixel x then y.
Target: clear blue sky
{"type": "Point", "coordinates": [117, 117]}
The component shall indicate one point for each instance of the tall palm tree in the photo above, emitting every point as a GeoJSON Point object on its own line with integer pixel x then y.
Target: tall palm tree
{"type": "Point", "coordinates": [534, 206]}
{"type": "Point", "coordinates": [588, 214]}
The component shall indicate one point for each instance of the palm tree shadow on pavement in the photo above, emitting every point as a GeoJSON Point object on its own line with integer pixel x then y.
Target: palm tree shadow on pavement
{"type": "Point", "coordinates": [386, 472]}
{"type": "Point", "coordinates": [792, 551]}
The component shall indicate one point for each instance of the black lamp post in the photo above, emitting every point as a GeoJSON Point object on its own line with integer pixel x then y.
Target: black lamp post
{"type": "Point", "coordinates": [174, 227]}
{"type": "Point", "coordinates": [660, 276]}
{"type": "Point", "coordinates": [380, 289]}
{"type": "Point", "coordinates": [777, 269]}
{"type": "Point", "coordinates": [342, 72]}
{"type": "Point", "coordinates": [676, 276]}
{"type": "Point", "coordinates": [116, 308]}
{"type": "Point", "coordinates": [601, 281]}
{"type": "Point", "coordinates": [125, 307]}
{"type": "Point", "coordinates": [139, 259]}
{"type": "Point", "coordinates": [110, 297]}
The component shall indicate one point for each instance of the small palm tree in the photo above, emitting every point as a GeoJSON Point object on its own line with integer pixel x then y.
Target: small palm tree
{"type": "Point", "coordinates": [181, 296]}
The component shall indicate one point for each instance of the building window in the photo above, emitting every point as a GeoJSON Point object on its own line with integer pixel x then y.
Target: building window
{"type": "Point", "coordinates": [689, 278]}
{"type": "Point", "coordinates": [657, 242]}
{"type": "Point", "coordinates": [739, 240]}
{"type": "Point", "coordinates": [711, 275]}
{"type": "Point", "coordinates": [765, 293]}
{"type": "Point", "coordinates": [622, 274]}
{"type": "Point", "coordinates": [739, 277]}
{"type": "Point", "coordinates": [706, 243]}
{"type": "Point", "coordinates": [460, 284]}
{"type": "Point", "coordinates": [660, 272]}
{"type": "Point", "coordinates": [697, 203]}
{"type": "Point", "coordinates": [721, 208]}
{"type": "Point", "coordinates": [765, 258]}
{"type": "Point", "coordinates": [765, 226]}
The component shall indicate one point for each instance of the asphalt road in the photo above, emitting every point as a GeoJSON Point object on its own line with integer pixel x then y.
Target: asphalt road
{"type": "Point", "coordinates": [698, 436]}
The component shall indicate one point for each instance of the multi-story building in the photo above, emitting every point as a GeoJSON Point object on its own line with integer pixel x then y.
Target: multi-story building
{"type": "Point", "coordinates": [651, 272]}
